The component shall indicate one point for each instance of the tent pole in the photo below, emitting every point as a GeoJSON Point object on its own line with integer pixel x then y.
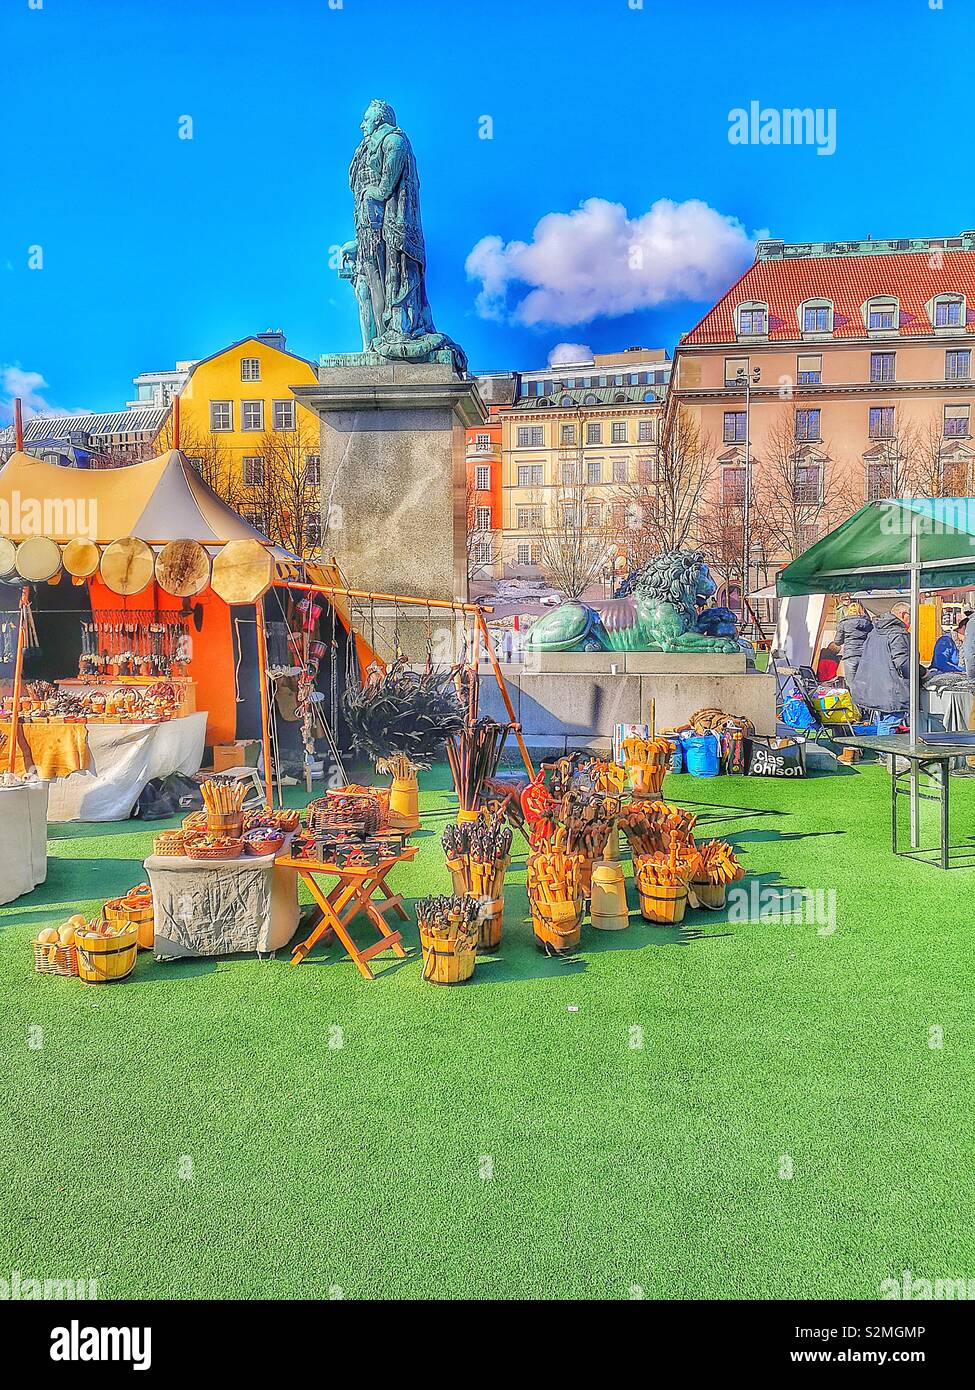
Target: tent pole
{"type": "Point", "coordinates": [18, 678]}
{"type": "Point", "coordinates": [265, 702]}
{"type": "Point", "coordinates": [915, 676]}
{"type": "Point", "coordinates": [481, 628]}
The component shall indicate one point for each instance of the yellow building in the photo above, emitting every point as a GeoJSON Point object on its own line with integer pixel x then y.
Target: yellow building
{"type": "Point", "coordinates": [584, 436]}
{"type": "Point", "coordinates": [239, 421]}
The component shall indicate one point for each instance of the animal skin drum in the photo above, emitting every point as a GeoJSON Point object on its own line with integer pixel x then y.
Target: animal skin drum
{"type": "Point", "coordinates": [8, 556]}
{"type": "Point", "coordinates": [38, 559]}
{"type": "Point", "coordinates": [81, 558]}
{"type": "Point", "coordinates": [242, 572]}
{"type": "Point", "coordinates": [127, 566]}
{"type": "Point", "coordinates": [183, 568]}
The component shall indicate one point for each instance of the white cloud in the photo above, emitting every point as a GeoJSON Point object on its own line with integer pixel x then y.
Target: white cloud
{"type": "Point", "coordinates": [597, 261]}
{"type": "Point", "coordinates": [14, 382]}
{"type": "Point", "coordinates": [569, 353]}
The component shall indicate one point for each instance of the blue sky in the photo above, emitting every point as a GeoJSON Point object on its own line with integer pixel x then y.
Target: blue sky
{"type": "Point", "coordinates": [156, 248]}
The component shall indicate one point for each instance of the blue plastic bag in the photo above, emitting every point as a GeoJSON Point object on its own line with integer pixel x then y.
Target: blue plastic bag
{"type": "Point", "coordinates": [702, 754]}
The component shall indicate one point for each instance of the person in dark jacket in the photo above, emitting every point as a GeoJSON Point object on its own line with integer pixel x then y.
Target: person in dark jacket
{"type": "Point", "coordinates": [883, 673]}
{"type": "Point", "coordinates": [851, 634]}
{"type": "Point", "coordinates": [947, 654]}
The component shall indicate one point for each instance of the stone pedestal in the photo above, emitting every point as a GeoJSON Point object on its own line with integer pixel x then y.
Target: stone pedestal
{"type": "Point", "coordinates": [394, 493]}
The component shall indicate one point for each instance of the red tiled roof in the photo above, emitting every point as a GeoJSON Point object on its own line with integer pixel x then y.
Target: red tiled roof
{"type": "Point", "coordinates": [849, 281]}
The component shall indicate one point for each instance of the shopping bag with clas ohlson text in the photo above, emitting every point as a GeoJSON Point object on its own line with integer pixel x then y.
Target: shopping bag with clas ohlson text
{"type": "Point", "coordinates": [776, 757]}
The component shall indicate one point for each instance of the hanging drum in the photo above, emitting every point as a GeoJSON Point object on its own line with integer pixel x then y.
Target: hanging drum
{"type": "Point", "coordinates": [183, 568]}
{"type": "Point", "coordinates": [127, 566]}
{"type": "Point", "coordinates": [38, 559]}
{"type": "Point", "coordinates": [8, 556]}
{"type": "Point", "coordinates": [242, 572]}
{"type": "Point", "coordinates": [80, 558]}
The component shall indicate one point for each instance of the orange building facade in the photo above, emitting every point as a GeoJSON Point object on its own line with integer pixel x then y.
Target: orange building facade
{"type": "Point", "coordinates": [828, 375]}
{"type": "Point", "coordinates": [484, 521]}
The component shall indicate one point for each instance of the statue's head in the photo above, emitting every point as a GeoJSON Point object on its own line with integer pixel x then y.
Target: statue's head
{"type": "Point", "coordinates": [681, 577]}
{"type": "Point", "coordinates": [377, 113]}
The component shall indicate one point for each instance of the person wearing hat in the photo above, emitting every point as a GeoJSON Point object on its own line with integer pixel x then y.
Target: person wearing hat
{"type": "Point", "coordinates": [948, 650]}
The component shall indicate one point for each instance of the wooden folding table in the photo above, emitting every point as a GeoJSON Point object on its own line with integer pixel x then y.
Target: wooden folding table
{"type": "Point", "coordinates": [356, 891]}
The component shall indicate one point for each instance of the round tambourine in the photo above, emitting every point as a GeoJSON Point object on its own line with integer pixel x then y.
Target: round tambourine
{"type": "Point", "coordinates": [127, 566]}
{"type": "Point", "coordinates": [38, 559]}
{"type": "Point", "coordinates": [80, 558]}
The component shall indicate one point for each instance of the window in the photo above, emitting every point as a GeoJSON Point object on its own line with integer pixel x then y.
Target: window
{"type": "Point", "coordinates": [880, 481]}
{"type": "Point", "coordinates": [482, 552]}
{"type": "Point", "coordinates": [590, 400]}
{"type": "Point", "coordinates": [594, 471]}
{"type": "Point", "coordinates": [808, 484]}
{"type": "Point", "coordinates": [528, 518]}
{"type": "Point", "coordinates": [252, 415]}
{"type": "Point", "coordinates": [807, 535]}
{"type": "Point", "coordinates": [594, 514]}
{"type": "Point", "coordinates": [645, 471]}
{"type": "Point", "coordinates": [732, 486]}
{"type": "Point", "coordinates": [958, 364]}
{"type": "Point", "coordinates": [482, 443]}
{"type": "Point", "coordinates": [807, 424]}
{"type": "Point", "coordinates": [250, 369]}
{"type": "Point", "coordinates": [734, 426]}
{"type": "Point", "coordinates": [221, 415]}
{"type": "Point", "coordinates": [570, 474]}
{"type": "Point", "coordinates": [735, 370]}
{"type": "Point", "coordinates": [882, 366]}
{"type": "Point", "coordinates": [531, 436]}
{"type": "Point", "coordinates": [528, 554]}
{"type": "Point", "coordinates": [809, 370]}
{"type": "Point", "coordinates": [954, 478]}
{"type": "Point", "coordinates": [620, 473]}
{"type": "Point", "coordinates": [313, 470]}
{"type": "Point", "coordinates": [253, 519]}
{"type": "Point", "coordinates": [568, 434]}
{"type": "Point", "coordinates": [482, 478]}
{"type": "Point", "coordinates": [313, 529]}
{"type": "Point", "coordinates": [619, 432]}
{"type": "Point", "coordinates": [957, 420]}
{"type": "Point", "coordinates": [594, 433]}
{"type": "Point", "coordinates": [880, 422]}
{"type": "Point", "coordinates": [882, 314]}
{"type": "Point", "coordinates": [253, 470]}
{"type": "Point", "coordinates": [753, 320]}
{"type": "Point", "coordinates": [948, 312]}
{"type": "Point", "coordinates": [568, 516]}
{"type": "Point", "coordinates": [482, 518]}
{"type": "Point", "coordinates": [817, 318]}
{"type": "Point", "coordinates": [196, 464]}
{"type": "Point", "coordinates": [283, 414]}
{"type": "Point", "coordinates": [531, 474]}
{"type": "Point", "coordinates": [644, 432]}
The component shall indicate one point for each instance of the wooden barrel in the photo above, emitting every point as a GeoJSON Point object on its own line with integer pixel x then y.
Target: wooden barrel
{"type": "Point", "coordinates": [127, 565]}
{"type": "Point", "coordinates": [444, 962]}
{"type": "Point", "coordinates": [662, 904]}
{"type": "Point", "coordinates": [557, 926]}
{"type": "Point", "coordinates": [183, 568]}
{"type": "Point", "coordinates": [242, 572]}
{"type": "Point", "coordinates": [489, 924]}
{"type": "Point", "coordinates": [709, 895]}
{"type": "Point", "coordinates": [38, 559]}
{"type": "Point", "coordinates": [81, 558]}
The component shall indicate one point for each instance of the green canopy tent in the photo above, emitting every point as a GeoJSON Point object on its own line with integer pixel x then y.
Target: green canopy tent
{"type": "Point", "coordinates": [914, 543]}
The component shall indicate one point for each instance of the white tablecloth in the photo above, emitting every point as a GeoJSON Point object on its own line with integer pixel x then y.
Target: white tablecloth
{"type": "Point", "coordinates": [221, 907]}
{"type": "Point", "coordinates": [123, 758]}
{"type": "Point", "coordinates": [23, 839]}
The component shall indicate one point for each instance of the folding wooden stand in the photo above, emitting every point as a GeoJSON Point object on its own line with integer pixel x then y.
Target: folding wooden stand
{"type": "Point", "coordinates": [353, 893]}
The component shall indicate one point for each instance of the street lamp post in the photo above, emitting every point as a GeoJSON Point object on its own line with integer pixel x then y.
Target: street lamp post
{"type": "Point", "coordinates": [747, 380]}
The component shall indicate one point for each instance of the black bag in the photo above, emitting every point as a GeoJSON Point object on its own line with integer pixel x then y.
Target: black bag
{"type": "Point", "coordinates": [153, 804]}
{"type": "Point", "coordinates": [776, 757]}
{"type": "Point", "coordinates": [183, 791]}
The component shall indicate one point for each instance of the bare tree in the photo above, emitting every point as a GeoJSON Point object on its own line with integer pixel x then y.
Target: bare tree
{"type": "Point", "coordinates": [575, 548]}
{"type": "Point", "coordinates": [796, 489]}
{"type": "Point", "coordinates": [211, 458]}
{"type": "Point", "coordinates": [483, 548]}
{"type": "Point", "coordinates": [288, 491]}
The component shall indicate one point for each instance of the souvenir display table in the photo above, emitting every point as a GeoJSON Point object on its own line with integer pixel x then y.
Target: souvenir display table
{"type": "Point", "coordinates": [222, 907]}
{"type": "Point", "coordinates": [121, 759]}
{"type": "Point", "coordinates": [23, 839]}
{"type": "Point", "coordinates": [183, 687]}
{"type": "Point", "coordinates": [355, 891]}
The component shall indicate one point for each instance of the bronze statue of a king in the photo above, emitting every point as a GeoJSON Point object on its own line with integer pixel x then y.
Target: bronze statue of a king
{"type": "Point", "coordinates": [386, 262]}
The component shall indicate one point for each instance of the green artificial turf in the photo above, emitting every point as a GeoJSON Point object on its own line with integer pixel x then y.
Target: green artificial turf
{"type": "Point", "coordinates": [552, 1130]}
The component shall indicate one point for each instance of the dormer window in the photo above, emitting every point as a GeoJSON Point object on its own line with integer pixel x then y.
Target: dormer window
{"type": "Point", "coordinates": [949, 311]}
{"type": "Point", "coordinates": [752, 320]}
{"type": "Point", "coordinates": [816, 316]}
{"type": "Point", "coordinates": [882, 315]}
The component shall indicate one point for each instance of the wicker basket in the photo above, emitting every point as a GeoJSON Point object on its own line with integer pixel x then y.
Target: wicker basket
{"type": "Point", "coordinates": [55, 960]}
{"type": "Point", "coordinates": [445, 961]}
{"type": "Point", "coordinates": [169, 842]}
{"type": "Point", "coordinates": [268, 845]}
{"type": "Point", "coordinates": [214, 853]}
{"type": "Point", "coordinates": [103, 959]}
{"type": "Point", "coordinates": [557, 926]}
{"type": "Point", "coordinates": [196, 820]}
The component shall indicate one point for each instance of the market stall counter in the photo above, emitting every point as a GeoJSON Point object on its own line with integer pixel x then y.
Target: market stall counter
{"type": "Point", "coordinates": [23, 837]}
